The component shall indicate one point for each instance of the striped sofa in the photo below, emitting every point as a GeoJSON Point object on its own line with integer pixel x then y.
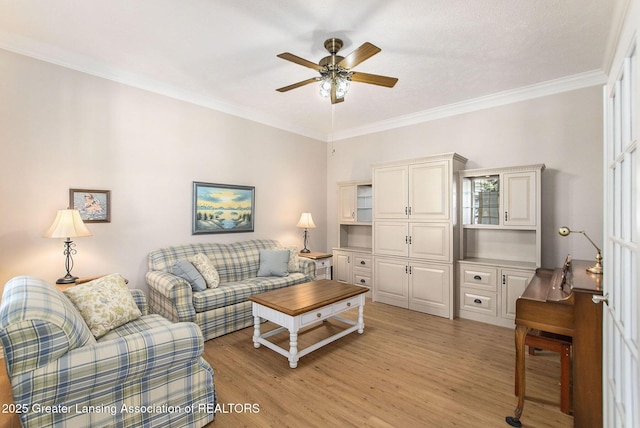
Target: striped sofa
{"type": "Point", "coordinates": [223, 309]}
{"type": "Point", "coordinates": [148, 372]}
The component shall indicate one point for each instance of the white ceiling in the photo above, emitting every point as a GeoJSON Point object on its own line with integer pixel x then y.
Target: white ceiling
{"type": "Point", "coordinates": [222, 53]}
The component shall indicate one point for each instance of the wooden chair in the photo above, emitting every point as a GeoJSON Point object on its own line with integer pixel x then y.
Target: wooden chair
{"type": "Point", "coordinates": [554, 343]}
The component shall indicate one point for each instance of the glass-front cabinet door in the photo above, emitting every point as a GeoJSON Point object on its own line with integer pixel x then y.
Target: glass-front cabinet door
{"type": "Point", "coordinates": [481, 200]}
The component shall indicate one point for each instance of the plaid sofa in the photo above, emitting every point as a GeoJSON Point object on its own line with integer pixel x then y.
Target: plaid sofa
{"type": "Point", "coordinates": [148, 372]}
{"type": "Point", "coordinates": [223, 309]}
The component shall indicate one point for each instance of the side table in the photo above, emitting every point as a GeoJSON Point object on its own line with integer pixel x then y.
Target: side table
{"type": "Point", "coordinates": [322, 261]}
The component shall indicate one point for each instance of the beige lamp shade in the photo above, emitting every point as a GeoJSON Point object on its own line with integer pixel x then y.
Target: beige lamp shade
{"type": "Point", "coordinates": [67, 224]}
{"type": "Point", "coordinates": [306, 221]}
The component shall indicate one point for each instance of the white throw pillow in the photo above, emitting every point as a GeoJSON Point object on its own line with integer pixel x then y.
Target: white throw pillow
{"type": "Point", "coordinates": [104, 303]}
{"type": "Point", "coordinates": [206, 269]}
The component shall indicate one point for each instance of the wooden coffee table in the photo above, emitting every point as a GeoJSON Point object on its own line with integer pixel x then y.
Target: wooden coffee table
{"type": "Point", "coordinates": [301, 305]}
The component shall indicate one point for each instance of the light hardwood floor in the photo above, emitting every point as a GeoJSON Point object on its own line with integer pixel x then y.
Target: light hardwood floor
{"type": "Point", "coordinates": [408, 369]}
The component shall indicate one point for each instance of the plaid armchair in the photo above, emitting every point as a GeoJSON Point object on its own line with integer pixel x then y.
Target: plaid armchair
{"type": "Point", "coordinates": [148, 372]}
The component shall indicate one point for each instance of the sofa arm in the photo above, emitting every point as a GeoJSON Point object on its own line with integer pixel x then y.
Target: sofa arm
{"type": "Point", "coordinates": [308, 268]}
{"type": "Point", "coordinates": [170, 296]}
{"type": "Point", "coordinates": [141, 300]}
{"type": "Point", "coordinates": [93, 368]}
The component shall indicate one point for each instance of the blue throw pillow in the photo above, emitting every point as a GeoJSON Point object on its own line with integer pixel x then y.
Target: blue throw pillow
{"type": "Point", "coordinates": [274, 263]}
{"type": "Point", "coordinates": [184, 269]}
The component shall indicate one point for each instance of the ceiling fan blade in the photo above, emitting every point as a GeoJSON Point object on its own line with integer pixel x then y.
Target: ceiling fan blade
{"type": "Point", "coordinates": [301, 61]}
{"type": "Point", "coordinates": [297, 85]}
{"type": "Point", "coordinates": [366, 51]}
{"type": "Point", "coordinates": [374, 79]}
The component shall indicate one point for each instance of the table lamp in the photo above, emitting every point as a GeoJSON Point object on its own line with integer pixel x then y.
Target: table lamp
{"type": "Point", "coordinates": [306, 222]}
{"type": "Point", "coordinates": [68, 224]}
{"type": "Point", "coordinates": [595, 269]}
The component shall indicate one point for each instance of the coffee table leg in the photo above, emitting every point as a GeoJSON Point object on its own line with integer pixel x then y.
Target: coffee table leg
{"type": "Point", "coordinates": [256, 332]}
{"type": "Point", "coordinates": [293, 349]}
{"type": "Point", "coordinates": [361, 319]}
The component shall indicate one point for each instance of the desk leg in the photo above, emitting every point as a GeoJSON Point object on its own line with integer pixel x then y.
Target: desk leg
{"type": "Point", "coordinates": [520, 335]}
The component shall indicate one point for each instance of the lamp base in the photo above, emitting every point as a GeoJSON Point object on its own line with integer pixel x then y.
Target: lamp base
{"type": "Point", "coordinates": [67, 279]}
{"type": "Point", "coordinates": [305, 250]}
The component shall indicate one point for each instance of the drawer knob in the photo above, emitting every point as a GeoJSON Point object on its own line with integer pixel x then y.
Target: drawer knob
{"type": "Point", "coordinates": [318, 314]}
{"type": "Point", "coordinates": [362, 262]}
{"type": "Point", "coordinates": [362, 281]}
{"type": "Point", "coordinates": [348, 304]}
{"type": "Point", "coordinates": [477, 277]}
{"type": "Point", "coordinates": [478, 301]}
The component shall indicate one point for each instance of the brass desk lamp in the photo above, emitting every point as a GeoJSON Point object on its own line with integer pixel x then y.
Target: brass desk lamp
{"type": "Point", "coordinates": [595, 269]}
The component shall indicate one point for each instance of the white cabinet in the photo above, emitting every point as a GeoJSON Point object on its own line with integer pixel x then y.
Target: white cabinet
{"type": "Point", "coordinates": [419, 286]}
{"type": "Point", "coordinates": [342, 266]}
{"type": "Point", "coordinates": [352, 267]}
{"type": "Point", "coordinates": [488, 293]}
{"type": "Point", "coordinates": [419, 191]}
{"type": "Point", "coordinates": [430, 241]}
{"type": "Point", "coordinates": [352, 261]}
{"type": "Point", "coordinates": [414, 224]}
{"type": "Point", "coordinates": [500, 240]}
{"type": "Point", "coordinates": [514, 282]}
{"type": "Point", "coordinates": [519, 198]}
{"type": "Point", "coordinates": [355, 202]}
{"type": "Point", "coordinates": [347, 204]}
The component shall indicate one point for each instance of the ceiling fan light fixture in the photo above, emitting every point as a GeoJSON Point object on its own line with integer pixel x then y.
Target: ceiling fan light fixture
{"type": "Point", "coordinates": [325, 86]}
{"type": "Point", "coordinates": [342, 87]}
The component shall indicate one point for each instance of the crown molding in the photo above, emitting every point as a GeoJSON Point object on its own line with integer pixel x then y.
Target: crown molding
{"type": "Point", "coordinates": [27, 47]}
{"type": "Point", "coordinates": [551, 87]}
{"type": "Point", "coordinates": [44, 52]}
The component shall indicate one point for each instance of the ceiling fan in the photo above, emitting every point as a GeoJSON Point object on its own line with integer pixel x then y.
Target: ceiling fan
{"type": "Point", "coordinates": [335, 70]}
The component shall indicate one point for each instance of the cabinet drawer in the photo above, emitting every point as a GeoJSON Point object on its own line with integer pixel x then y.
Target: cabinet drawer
{"type": "Point", "coordinates": [362, 262]}
{"type": "Point", "coordinates": [362, 279]}
{"type": "Point", "coordinates": [482, 303]}
{"type": "Point", "coordinates": [316, 315]}
{"type": "Point", "coordinates": [478, 277]}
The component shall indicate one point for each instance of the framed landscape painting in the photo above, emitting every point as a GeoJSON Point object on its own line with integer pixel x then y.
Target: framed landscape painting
{"type": "Point", "coordinates": [222, 208]}
{"type": "Point", "coordinates": [94, 205]}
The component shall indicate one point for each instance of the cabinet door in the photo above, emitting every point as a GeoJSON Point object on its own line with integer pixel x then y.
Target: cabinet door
{"type": "Point", "coordinates": [519, 198]}
{"type": "Point", "coordinates": [430, 289]}
{"type": "Point", "coordinates": [390, 192]}
{"type": "Point", "coordinates": [429, 191]}
{"type": "Point", "coordinates": [390, 279]}
{"type": "Point", "coordinates": [514, 283]}
{"type": "Point", "coordinates": [430, 241]}
{"type": "Point", "coordinates": [391, 238]}
{"type": "Point", "coordinates": [342, 266]}
{"type": "Point", "coordinates": [347, 201]}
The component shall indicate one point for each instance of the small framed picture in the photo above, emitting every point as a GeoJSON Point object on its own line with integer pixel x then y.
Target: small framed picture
{"type": "Point", "coordinates": [94, 205]}
{"type": "Point", "coordinates": [222, 208]}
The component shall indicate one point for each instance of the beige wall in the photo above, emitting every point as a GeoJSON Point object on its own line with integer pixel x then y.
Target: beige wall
{"type": "Point", "coordinates": [562, 131]}
{"type": "Point", "coordinates": [62, 129]}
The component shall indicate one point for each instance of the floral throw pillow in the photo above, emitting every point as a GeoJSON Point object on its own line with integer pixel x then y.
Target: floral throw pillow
{"type": "Point", "coordinates": [104, 303]}
{"type": "Point", "coordinates": [206, 269]}
{"type": "Point", "coordinates": [294, 261]}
